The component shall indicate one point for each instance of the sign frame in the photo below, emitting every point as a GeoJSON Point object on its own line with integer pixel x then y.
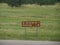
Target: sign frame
{"type": "Point", "coordinates": [30, 23]}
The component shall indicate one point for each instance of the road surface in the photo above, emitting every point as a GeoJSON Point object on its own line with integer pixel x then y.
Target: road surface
{"type": "Point", "coordinates": [22, 42]}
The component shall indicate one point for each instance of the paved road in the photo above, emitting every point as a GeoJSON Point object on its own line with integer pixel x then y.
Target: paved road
{"type": "Point", "coordinates": [22, 42]}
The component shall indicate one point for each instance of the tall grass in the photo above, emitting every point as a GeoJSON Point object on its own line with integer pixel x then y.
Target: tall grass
{"type": "Point", "coordinates": [11, 18]}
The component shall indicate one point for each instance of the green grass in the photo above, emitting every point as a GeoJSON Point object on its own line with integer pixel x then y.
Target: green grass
{"type": "Point", "coordinates": [11, 18]}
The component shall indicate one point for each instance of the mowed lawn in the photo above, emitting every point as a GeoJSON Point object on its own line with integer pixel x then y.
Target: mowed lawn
{"type": "Point", "coordinates": [11, 19]}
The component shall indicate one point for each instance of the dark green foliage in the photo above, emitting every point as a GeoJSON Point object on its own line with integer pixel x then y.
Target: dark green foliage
{"type": "Point", "coordinates": [13, 3]}
{"type": "Point", "coordinates": [58, 1]}
{"type": "Point", "coordinates": [17, 3]}
{"type": "Point", "coordinates": [0, 1]}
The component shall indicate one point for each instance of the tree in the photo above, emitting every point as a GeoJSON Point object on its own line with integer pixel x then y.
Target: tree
{"type": "Point", "coordinates": [17, 3]}
{"type": "Point", "coordinates": [58, 1]}
{"type": "Point", "coordinates": [1, 1]}
{"type": "Point", "coordinates": [13, 3]}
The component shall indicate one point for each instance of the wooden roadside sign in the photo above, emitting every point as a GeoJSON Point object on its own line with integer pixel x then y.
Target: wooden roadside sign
{"type": "Point", "coordinates": [35, 24]}
{"type": "Point", "coordinates": [30, 23]}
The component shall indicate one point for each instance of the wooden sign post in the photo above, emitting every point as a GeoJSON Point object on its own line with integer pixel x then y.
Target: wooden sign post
{"type": "Point", "coordinates": [31, 24]}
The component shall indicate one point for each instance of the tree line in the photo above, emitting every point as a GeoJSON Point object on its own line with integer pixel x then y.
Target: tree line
{"type": "Point", "coordinates": [17, 3]}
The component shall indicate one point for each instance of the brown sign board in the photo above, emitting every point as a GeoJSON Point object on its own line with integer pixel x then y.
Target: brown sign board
{"type": "Point", "coordinates": [30, 23]}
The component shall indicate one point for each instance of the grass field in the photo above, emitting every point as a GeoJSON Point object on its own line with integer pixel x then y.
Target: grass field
{"type": "Point", "coordinates": [11, 18]}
